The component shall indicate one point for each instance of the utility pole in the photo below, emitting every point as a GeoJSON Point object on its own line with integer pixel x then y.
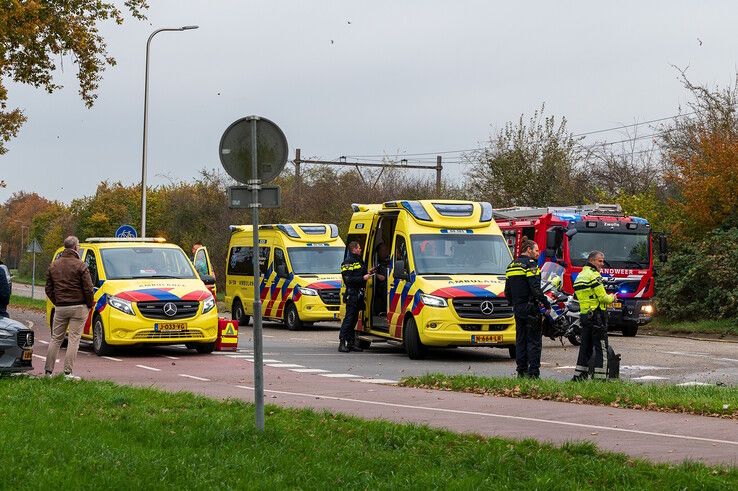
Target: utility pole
{"type": "Point", "coordinates": [439, 168]}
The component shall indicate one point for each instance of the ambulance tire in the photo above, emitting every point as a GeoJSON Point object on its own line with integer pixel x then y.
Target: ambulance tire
{"type": "Point", "coordinates": [204, 348]}
{"type": "Point", "coordinates": [292, 318]}
{"type": "Point", "coordinates": [99, 345]}
{"type": "Point", "coordinates": [630, 330]}
{"type": "Point", "coordinates": [415, 349]}
{"type": "Point", "coordinates": [238, 315]}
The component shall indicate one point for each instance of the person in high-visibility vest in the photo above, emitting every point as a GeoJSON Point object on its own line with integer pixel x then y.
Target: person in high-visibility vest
{"type": "Point", "coordinates": [593, 301]}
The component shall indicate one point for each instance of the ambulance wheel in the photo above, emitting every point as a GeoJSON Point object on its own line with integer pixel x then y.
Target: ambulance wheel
{"type": "Point", "coordinates": [99, 345]}
{"type": "Point", "coordinates": [512, 352]}
{"type": "Point", "coordinates": [630, 330]}
{"type": "Point", "coordinates": [237, 313]}
{"type": "Point", "coordinates": [291, 318]}
{"type": "Point", "coordinates": [204, 348]}
{"type": "Point", "coordinates": [413, 346]}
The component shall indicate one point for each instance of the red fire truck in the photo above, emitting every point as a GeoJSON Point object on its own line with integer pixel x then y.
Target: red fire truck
{"type": "Point", "coordinates": [567, 235]}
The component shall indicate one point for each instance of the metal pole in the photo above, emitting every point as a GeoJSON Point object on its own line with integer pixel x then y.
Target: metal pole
{"type": "Point", "coordinates": [298, 179]}
{"type": "Point", "coordinates": [439, 168]}
{"type": "Point", "coordinates": [33, 274]}
{"type": "Point", "coordinates": [145, 123]}
{"type": "Point", "coordinates": [258, 346]}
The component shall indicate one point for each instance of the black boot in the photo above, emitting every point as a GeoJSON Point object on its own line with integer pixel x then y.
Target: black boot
{"type": "Point", "coordinates": [353, 346]}
{"type": "Point", "coordinates": [579, 377]}
{"type": "Point", "coordinates": [342, 346]}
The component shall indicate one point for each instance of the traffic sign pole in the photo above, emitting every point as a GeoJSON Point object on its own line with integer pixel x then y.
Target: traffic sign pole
{"type": "Point", "coordinates": [258, 341]}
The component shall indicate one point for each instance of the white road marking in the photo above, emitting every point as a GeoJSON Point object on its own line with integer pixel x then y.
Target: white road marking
{"type": "Point", "coordinates": [643, 367]}
{"type": "Point", "coordinates": [376, 381]}
{"type": "Point", "coordinates": [193, 377]}
{"type": "Point", "coordinates": [334, 342]}
{"type": "Point", "coordinates": [284, 365]}
{"type": "Point", "coordinates": [42, 357]}
{"type": "Point", "coordinates": [266, 336]}
{"type": "Point", "coordinates": [565, 368]}
{"type": "Point", "coordinates": [692, 384]}
{"type": "Point", "coordinates": [308, 370]}
{"type": "Point", "coordinates": [269, 360]}
{"type": "Point", "coordinates": [340, 375]}
{"type": "Point", "coordinates": [299, 339]}
{"type": "Point", "coordinates": [496, 415]}
{"type": "Point", "coordinates": [149, 368]}
{"type": "Point", "coordinates": [42, 341]}
{"type": "Point", "coordinates": [111, 358]}
{"type": "Point", "coordinates": [251, 357]}
{"type": "Point", "coordinates": [650, 377]}
{"type": "Point", "coordinates": [170, 357]}
{"type": "Point", "coordinates": [699, 355]}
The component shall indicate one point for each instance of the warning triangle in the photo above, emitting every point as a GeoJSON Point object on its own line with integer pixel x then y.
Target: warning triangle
{"type": "Point", "coordinates": [230, 331]}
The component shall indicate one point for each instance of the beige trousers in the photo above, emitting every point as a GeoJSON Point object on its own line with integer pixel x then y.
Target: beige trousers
{"type": "Point", "coordinates": [72, 317]}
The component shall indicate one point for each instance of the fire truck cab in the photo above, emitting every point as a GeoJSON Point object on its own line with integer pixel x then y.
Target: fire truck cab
{"type": "Point", "coordinates": [568, 234]}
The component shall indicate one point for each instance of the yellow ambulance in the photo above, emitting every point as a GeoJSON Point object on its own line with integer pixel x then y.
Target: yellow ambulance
{"type": "Point", "coordinates": [300, 266]}
{"type": "Point", "coordinates": [443, 264]}
{"type": "Point", "coordinates": [146, 292]}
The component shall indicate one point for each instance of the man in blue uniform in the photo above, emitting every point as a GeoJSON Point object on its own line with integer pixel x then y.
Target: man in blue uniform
{"type": "Point", "coordinates": [354, 273]}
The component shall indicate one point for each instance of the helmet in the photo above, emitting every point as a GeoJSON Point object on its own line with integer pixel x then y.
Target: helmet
{"type": "Point", "coordinates": [556, 282]}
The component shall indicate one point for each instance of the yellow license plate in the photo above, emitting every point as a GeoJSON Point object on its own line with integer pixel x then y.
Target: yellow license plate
{"type": "Point", "coordinates": [27, 354]}
{"type": "Point", "coordinates": [170, 326]}
{"type": "Point", "coordinates": [616, 305]}
{"type": "Point", "coordinates": [486, 338]}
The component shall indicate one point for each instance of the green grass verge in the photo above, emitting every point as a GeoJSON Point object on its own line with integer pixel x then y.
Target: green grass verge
{"type": "Point", "coordinates": [27, 303]}
{"type": "Point", "coordinates": [704, 400]}
{"type": "Point", "coordinates": [98, 435]}
{"type": "Point", "coordinates": [40, 279]}
{"type": "Point", "coordinates": [725, 327]}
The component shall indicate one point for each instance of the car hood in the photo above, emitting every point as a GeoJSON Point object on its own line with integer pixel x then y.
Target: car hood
{"type": "Point", "coordinates": [11, 325]}
{"type": "Point", "coordinates": [152, 290]}
{"type": "Point", "coordinates": [453, 286]}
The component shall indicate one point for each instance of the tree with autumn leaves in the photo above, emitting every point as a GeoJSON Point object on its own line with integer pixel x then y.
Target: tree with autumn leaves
{"type": "Point", "coordinates": [36, 34]}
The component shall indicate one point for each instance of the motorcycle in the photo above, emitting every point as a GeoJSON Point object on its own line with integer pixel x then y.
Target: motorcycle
{"type": "Point", "coordinates": [562, 319]}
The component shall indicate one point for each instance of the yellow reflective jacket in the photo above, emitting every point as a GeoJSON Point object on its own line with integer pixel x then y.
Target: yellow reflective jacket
{"type": "Point", "coordinates": [590, 290]}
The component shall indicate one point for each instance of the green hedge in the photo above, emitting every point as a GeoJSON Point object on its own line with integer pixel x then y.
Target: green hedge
{"type": "Point", "coordinates": [700, 279]}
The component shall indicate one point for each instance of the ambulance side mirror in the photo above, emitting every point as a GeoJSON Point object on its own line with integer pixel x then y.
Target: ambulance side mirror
{"type": "Point", "coordinates": [400, 270]}
{"type": "Point", "coordinates": [208, 279]}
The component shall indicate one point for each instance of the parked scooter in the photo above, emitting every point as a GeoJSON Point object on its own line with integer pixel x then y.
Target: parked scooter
{"type": "Point", "coordinates": [562, 319]}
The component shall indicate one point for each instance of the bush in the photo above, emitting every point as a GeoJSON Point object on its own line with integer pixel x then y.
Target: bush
{"type": "Point", "coordinates": [700, 279]}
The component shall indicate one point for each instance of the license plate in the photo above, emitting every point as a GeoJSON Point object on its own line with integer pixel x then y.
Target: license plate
{"type": "Point", "coordinates": [27, 354]}
{"type": "Point", "coordinates": [486, 338]}
{"type": "Point", "coordinates": [170, 326]}
{"type": "Point", "coordinates": [616, 305]}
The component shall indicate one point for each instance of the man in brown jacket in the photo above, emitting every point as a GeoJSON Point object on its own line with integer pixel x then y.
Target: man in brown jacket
{"type": "Point", "coordinates": [69, 287]}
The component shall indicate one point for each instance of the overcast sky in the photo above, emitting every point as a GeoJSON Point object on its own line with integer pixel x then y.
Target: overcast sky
{"type": "Point", "coordinates": [362, 78]}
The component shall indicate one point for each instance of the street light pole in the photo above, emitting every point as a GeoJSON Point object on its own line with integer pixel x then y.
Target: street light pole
{"type": "Point", "coordinates": [145, 121]}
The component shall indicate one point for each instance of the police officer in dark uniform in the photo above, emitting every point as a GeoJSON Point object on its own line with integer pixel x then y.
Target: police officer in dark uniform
{"type": "Point", "coordinates": [354, 273]}
{"type": "Point", "coordinates": [523, 291]}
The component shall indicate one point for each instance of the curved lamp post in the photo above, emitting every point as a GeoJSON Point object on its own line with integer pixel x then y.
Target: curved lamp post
{"type": "Point", "coordinates": [145, 122]}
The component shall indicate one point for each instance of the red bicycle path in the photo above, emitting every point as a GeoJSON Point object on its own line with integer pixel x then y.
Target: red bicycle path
{"type": "Point", "coordinates": [656, 436]}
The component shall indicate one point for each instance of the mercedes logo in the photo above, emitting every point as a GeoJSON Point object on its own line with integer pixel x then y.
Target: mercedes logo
{"type": "Point", "coordinates": [170, 309]}
{"type": "Point", "coordinates": [487, 307]}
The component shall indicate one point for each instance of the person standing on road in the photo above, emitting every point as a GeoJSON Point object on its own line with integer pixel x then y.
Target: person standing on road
{"type": "Point", "coordinates": [593, 301]}
{"type": "Point", "coordinates": [523, 291]}
{"type": "Point", "coordinates": [5, 290]}
{"type": "Point", "coordinates": [354, 274]}
{"type": "Point", "coordinates": [69, 287]}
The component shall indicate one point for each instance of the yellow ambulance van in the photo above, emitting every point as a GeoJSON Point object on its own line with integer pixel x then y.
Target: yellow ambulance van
{"type": "Point", "coordinates": [444, 267]}
{"type": "Point", "coordinates": [300, 266]}
{"type": "Point", "coordinates": [146, 292]}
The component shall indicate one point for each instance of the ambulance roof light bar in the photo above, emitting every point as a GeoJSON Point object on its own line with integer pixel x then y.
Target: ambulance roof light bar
{"type": "Point", "coordinates": [125, 239]}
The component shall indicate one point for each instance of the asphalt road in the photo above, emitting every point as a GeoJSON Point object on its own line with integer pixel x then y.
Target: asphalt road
{"type": "Point", "coordinates": [304, 369]}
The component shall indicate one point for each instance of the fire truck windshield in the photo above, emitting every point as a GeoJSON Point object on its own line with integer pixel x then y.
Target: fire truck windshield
{"type": "Point", "coordinates": [460, 254]}
{"type": "Point", "coordinates": [621, 250]}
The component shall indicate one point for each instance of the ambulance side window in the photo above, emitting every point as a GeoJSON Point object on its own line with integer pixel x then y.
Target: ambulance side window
{"type": "Point", "coordinates": [239, 261]}
{"type": "Point", "coordinates": [92, 267]}
{"type": "Point", "coordinates": [263, 259]}
{"type": "Point", "coordinates": [401, 253]}
{"type": "Point", "coordinates": [280, 264]}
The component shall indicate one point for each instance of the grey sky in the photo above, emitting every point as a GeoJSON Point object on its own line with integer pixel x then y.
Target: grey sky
{"type": "Point", "coordinates": [407, 76]}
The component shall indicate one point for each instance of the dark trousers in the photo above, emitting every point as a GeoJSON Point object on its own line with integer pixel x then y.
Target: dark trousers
{"type": "Point", "coordinates": [528, 342]}
{"type": "Point", "coordinates": [349, 321]}
{"type": "Point", "coordinates": [594, 338]}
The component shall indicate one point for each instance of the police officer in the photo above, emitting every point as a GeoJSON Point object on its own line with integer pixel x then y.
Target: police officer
{"type": "Point", "coordinates": [354, 273]}
{"type": "Point", "coordinates": [593, 300]}
{"type": "Point", "coordinates": [523, 291]}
